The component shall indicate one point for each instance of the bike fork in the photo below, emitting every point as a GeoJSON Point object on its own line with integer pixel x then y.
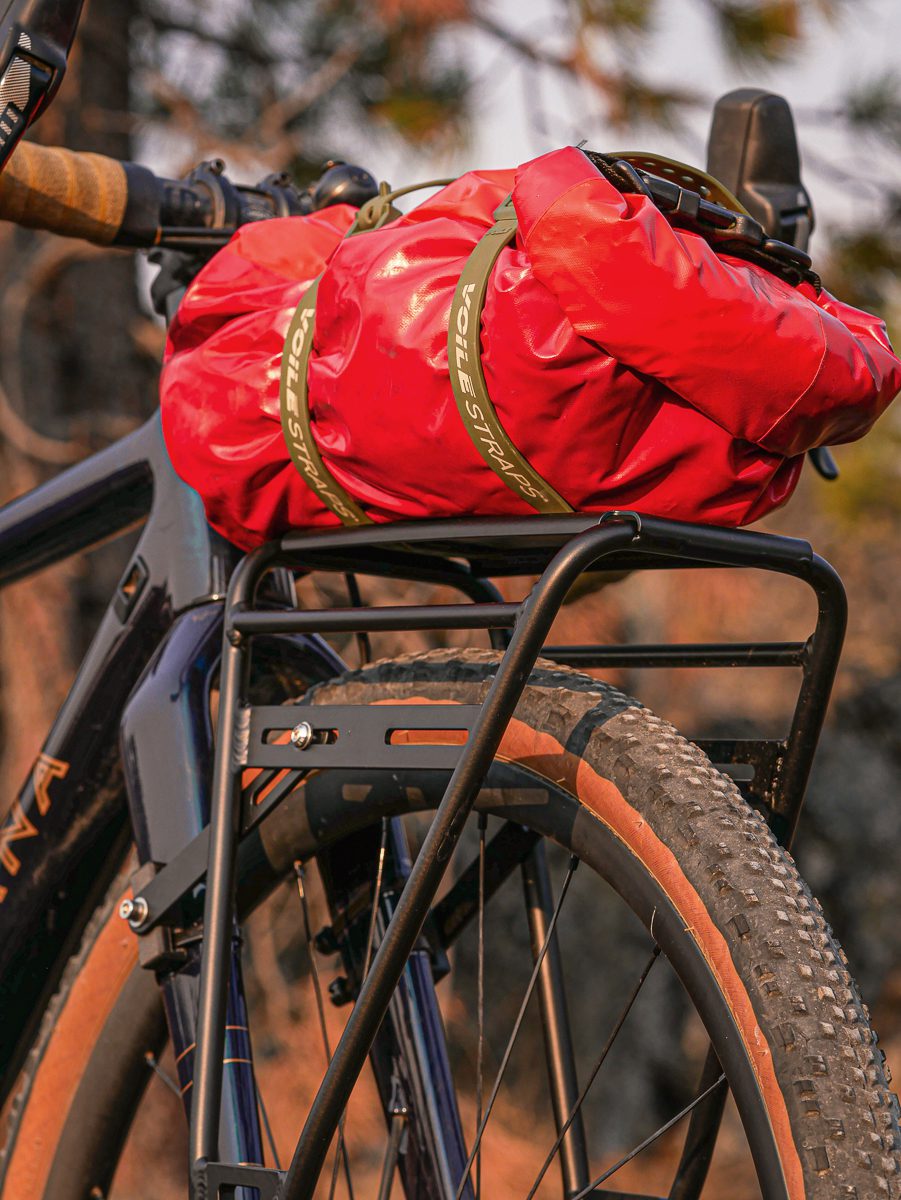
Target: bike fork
{"type": "Point", "coordinates": [532, 625]}
{"type": "Point", "coordinates": [166, 752]}
{"type": "Point", "coordinates": [409, 1055]}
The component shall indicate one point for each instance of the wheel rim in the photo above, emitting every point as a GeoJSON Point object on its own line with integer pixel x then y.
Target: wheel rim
{"type": "Point", "coordinates": [566, 816]}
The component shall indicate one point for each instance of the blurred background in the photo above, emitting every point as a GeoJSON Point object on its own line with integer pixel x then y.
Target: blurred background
{"type": "Point", "coordinates": [412, 89]}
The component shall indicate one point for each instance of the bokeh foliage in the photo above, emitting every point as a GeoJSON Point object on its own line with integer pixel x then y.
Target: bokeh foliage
{"type": "Point", "coordinates": [265, 68]}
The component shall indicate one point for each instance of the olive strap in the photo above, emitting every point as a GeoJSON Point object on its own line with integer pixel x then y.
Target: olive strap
{"type": "Point", "coordinates": [295, 410]}
{"type": "Point", "coordinates": [293, 392]}
{"type": "Point", "coordinates": [467, 381]}
{"type": "Point", "coordinates": [464, 352]}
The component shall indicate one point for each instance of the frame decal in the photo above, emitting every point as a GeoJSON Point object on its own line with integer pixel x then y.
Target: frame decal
{"type": "Point", "coordinates": [46, 769]}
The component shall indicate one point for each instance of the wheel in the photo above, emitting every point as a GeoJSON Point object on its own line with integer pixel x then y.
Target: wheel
{"type": "Point", "coordinates": [756, 972]}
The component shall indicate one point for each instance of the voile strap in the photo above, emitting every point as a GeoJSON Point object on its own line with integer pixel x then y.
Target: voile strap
{"type": "Point", "coordinates": [467, 380]}
{"type": "Point", "coordinates": [464, 353]}
{"type": "Point", "coordinates": [293, 393]}
{"type": "Point", "coordinates": [295, 410]}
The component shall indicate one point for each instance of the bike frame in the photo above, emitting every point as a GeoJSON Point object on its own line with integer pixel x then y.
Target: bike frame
{"type": "Point", "coordinates": [130, 755]}
{"type": "Point", "coordinates": [146, 678]}
{"type": "Point", "coordinates": [72, 810]}
{"type": "Point", "coordinates": [188, 602]}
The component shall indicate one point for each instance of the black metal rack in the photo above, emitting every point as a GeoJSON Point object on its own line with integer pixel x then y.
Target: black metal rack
{"type": "Point", "coordinates": [464, 554]}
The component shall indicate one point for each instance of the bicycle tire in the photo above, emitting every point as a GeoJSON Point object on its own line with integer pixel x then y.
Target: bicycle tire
{"type": "Point", "coordinates": [645, 809]}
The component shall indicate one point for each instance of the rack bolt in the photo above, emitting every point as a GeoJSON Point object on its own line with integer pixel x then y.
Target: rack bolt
{"type": "Point", "coordinates": [339, 992]}
{"type": "Point", "coordinates": [134, 911]}
{"type": "Point", "coordinates": [302, 735]}
{"type": "Point", "coordinates": [325, 940]}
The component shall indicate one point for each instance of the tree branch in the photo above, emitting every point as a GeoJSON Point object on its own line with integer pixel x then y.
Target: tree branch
{"type": "Point", "coordinates": [279, 115]}
{"type": "Point", "coordinates": [249, 48]}
{"type": "Point", "coordinates": [617, 89]}
{"type": "Point", "coordinates": [522, 46]}
{"type": "Point", "coordinates": [53, 256]}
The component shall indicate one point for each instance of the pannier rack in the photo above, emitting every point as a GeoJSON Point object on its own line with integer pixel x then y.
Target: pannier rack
{"type": "Point", "coordinates": [465, 555]}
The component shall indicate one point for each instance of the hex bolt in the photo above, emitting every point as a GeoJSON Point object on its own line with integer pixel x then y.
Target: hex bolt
{"type": "Point", "coordinates": [302, 735]}
{"type": "Point", "coordinates": [325, 940]}
{"type": "Point", "coordinates": [339, 992]}
{"type": "Point", "coordinates": [134, 911]}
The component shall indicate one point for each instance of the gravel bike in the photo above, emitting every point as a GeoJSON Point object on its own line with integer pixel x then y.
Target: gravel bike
{"type": "Point", "coordinates": [214, 746]}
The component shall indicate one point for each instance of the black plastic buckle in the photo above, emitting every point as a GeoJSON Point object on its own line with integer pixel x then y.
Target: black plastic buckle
{"type": "Point", "coordinates": [730, 232]}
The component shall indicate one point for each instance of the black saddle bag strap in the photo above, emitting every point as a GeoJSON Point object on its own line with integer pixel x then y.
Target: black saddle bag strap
{"type": "Point", "coordinates": [464, 352]}
{"type": "Point", "coordinates": [295, 411]}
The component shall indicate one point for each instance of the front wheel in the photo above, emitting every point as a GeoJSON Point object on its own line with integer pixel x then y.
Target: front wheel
{"type": "Point", "coordinates": [675, 869]}
{"type": "Point", "coordinates": [701, 870]}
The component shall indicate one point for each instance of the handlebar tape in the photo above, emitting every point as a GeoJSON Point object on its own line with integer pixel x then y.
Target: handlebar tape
{"type": "Point", "coordinates": [65, 192]}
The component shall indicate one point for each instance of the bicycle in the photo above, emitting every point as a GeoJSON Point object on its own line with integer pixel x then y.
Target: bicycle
{"type": "Point", "coordinates": [312, 760]}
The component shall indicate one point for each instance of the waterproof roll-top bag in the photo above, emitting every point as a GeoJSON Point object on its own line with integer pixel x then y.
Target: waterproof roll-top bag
{"type": "Point", "coordinates": [532, 341]}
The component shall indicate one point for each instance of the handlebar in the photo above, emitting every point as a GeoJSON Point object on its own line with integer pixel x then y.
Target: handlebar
{"type": "Point", "coordinates": [114, 203]}
{"type": "Point", "coordinates": [77, 195]}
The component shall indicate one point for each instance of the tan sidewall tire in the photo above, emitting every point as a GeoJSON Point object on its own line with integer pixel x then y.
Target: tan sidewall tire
{"type": "Point", "coordinates": [731, 912]}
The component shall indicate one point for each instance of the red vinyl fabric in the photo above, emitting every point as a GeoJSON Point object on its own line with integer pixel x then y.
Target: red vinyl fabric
{"type": "Point", "coordinates": [630, 364]}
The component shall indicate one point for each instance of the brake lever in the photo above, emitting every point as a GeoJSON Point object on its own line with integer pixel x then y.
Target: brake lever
{"type": "Point", "coordinates": [823, 463]}
{"type": "Point", "coordinates": [35, 39]}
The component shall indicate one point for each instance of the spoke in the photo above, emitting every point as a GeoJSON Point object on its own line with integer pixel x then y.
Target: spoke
{"type": "Point", "coordinates": [264, 1117]}
{"type": "Point", "coordinates": [300, 876]}
{"type": "Point", "coordinates": [377, 895]}
{"type": "Point", "coordinates": [649, 1140]}
{"type": "Point", "coordinates": [267, 1126]}
{"type": "Point", "coordinates": [560, 1057]}
{"type": "Point", "coordinates": [480, 1054]}
{"type": "Point", "coordinates": [701, 1138]}
{"type": "Point", "coordinates": [507, 850]}
{"type": "Point", "coordinates": [336, 1166]}
{"type": "Point", "coordinates": [614, 1034]}
{"type": "Point", "coordinates": [341, 1148]}
{"type": "Point", "coordinates": [170, 1083]}
{"type": "Point", "coordinates": [552, 925]}
{"type": "Point", "coordinates": [356, 600]}
{"type": "Point", "coordinates": [390, 1164]}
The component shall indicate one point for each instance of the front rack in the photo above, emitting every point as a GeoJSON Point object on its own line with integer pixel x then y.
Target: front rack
{"type": "Point", "coordinates": [463, 554]}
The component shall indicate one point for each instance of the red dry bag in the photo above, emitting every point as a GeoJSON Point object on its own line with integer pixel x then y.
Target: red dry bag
{"type": "Point", "coordinates": [628, 363]}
